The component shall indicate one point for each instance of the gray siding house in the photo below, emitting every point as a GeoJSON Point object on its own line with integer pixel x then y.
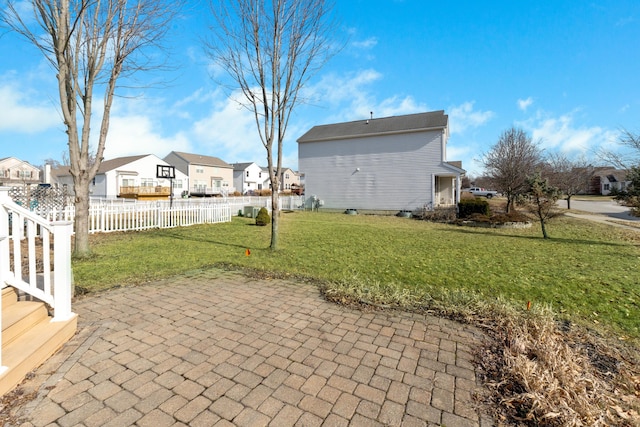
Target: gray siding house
{"type": "Point", "coordinates": [391, 163]}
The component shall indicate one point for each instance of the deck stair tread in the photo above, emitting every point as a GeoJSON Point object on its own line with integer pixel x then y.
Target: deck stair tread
{"type": "Point", "coordinates": [29, 337]}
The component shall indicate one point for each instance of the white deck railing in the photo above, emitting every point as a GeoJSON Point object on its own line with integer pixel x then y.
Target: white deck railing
{"type": "Point", "coordinates": [31, 270]}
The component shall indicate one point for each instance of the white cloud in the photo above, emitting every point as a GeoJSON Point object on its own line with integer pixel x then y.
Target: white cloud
{"type": "Point", "coordinates": [369, 43]}
{"type": "Point", "coordinates": [523, 104]}
{"type": "Point", "coordinates": [463, 117]}
{"type": "Point", "coordinates": [350, 97]}
{"type": "Point", "coordinates": [20, 113]}
{"type": "Point", "coordinates": [136, 134]}
{"type": "Point", "coordinates": [229, 130]}
{"type": "Point", "coordinates": [561, 133]}
{"type": "Point", "coordinates": [334, 89]}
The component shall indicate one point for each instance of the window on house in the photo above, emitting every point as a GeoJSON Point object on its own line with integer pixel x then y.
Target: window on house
{"type": "Point", "coordinates": [259, 174]}
{"type": "Point", "coordinates": [286, 176]}
{"type": "Point", "coordinates": [606, 187]}
{"type": "Point", "coordinates": [247, 174]}
{"type": "Point", "coordinates": [199, 170]}
{"type": "Point", "coordinates": [128, 182]}
{"type": "Point", "coordinates": [147, 182]}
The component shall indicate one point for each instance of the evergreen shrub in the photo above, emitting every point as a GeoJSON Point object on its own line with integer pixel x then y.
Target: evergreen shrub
{"type": "Point", "coordinates": [468, 207]}
{"type": "Point", "coordinates": [263, 217]}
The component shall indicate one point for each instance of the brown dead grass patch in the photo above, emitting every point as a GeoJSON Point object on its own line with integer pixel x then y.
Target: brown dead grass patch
{"type": "Point", "coordinates": [539, 373]}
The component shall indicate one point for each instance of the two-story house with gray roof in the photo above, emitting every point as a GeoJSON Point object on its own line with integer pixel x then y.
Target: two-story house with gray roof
{"type": "Point", "coordinates": [391, 163]}
{"type": "Point", "coordinates": [250, 177]}
{"type": "Point", "coordinates": [208, 176]}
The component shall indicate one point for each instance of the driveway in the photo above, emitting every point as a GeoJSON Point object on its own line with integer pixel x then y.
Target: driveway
{"type": "Point", "coordinates": [609, 209]}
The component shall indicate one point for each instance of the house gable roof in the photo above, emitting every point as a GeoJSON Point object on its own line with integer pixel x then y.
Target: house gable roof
{"type": "Point", "coordinates": [112, 164]}
{"type": "Point", "coordinates": [372, 127]}
{"type": "Point", "coordinates": [22, 162]}
{"type": "Point", "coordinates": [242, 166]}
{"type": "Point", "coordinates": [105, 166]}
{"type": "Point", "coordinates": [197, 159]}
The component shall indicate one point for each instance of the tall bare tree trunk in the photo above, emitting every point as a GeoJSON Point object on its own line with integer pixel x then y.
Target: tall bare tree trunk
{"type": "Point", "coordinates": [90, 45]}
{"type": "Point", "coordinates": [269, 49]}
{"type": "Point", "coordinates": [81, 220]}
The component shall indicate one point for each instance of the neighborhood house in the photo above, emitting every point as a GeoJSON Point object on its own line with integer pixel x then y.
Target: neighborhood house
{"type": "Point", "coordinates": [133, 177]}
{"type": "Point", "coordinates": [15, 172]}
{"type": "Point", "coordinates": [208, 176]}
{"type": "Point", "coordinates": [391, 163]}
{"type": "Point", "coordinates": [249, 177]}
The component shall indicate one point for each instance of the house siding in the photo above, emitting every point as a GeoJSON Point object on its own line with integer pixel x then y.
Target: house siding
{"type": "Point", "coordinates": [15, 172]}
{"type": "Point", "coordinates": [257, 179]}
{"type": "Point", "coordinates": [396, 172]}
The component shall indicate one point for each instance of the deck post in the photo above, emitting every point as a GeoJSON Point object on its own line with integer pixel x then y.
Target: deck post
{"type": "Point", "coordinates": [62, 292]}
{"type": "Point", "coordinates": [4, 255]}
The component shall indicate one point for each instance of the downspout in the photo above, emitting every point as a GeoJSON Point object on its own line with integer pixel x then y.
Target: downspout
{"type": "Point", "coordinates": [433, 191]}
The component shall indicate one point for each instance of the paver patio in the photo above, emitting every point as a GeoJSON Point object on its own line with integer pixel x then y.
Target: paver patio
{"type": "Point", "coordinates": [217, 348]}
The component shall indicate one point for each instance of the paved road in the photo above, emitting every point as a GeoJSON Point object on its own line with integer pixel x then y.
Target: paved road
{"type": "Point", "coordinates": [218, 349]}
{"type": "Point", "coordinates": [608, 208]}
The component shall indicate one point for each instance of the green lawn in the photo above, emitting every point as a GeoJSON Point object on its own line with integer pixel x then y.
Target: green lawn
{"type": "Point", "coordinates": [587, 272]}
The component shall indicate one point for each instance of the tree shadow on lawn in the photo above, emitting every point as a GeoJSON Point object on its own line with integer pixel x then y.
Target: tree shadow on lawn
{"type": "Point", "coordinates": [539, 238]}
{"type": "Point", "coordinates": [179, 236]}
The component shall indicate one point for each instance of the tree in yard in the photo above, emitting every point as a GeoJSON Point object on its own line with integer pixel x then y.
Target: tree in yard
{"type": "Point", "coordinates": [542, 200]}
{"type": "Point", "coordinates": [510, 162]}
{"type": "Point", "coordinates": [630, 196]}
{"type": "Point", "coordinates": [630, 154]}
{"type": "Point", "coordinates": [570, 176]}
{"type": "Point", "coordinates": [269, 49]}
{"type": "Point", "coordinates": [90, 44]}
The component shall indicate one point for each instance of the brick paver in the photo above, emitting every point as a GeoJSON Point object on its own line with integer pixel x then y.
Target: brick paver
{"type": "Point", "coordinates": [219, 348]}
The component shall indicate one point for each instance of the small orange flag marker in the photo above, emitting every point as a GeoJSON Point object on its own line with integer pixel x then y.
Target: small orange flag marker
{"type": "Point", "coordinates": [247, 252]}
{"type": "Point", "coordinates": [528, 302]}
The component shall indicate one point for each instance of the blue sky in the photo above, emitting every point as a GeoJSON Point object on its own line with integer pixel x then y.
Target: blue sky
{"type": "Point", "coordinates": [567, 72]}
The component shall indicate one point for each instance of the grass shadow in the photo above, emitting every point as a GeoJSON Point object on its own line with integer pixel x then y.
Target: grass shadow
{"type": "Point", "coordinates": [538, 238]}
{"type": "Point", "coordinates": [180, 236]}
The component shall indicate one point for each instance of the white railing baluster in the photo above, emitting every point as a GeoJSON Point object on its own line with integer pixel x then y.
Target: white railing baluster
{"type": "Point", "coordinates": [31, 238]}
{"type": "Point", "coordinates": [46, 260]}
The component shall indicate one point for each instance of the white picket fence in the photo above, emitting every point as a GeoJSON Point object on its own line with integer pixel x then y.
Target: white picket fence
{"type": "Point", "coordinates": [125, 215]}
{"type": "Point", "coordinates": [106, 218]}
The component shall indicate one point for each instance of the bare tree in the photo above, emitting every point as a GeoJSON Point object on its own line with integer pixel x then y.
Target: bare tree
{"type": "Point", "coordinates": [630, 155]}
{"type": "Point", "coordinates": [270, 48]}
{"type": "Point", "coordinates": [510, 162]}
{"type": "Point", "coordinates": [90, 44]}
{"type": "Point", "coordinates": [571, 176]}
{"type": "Point", "coordinates": [630, 195]}
{"type": "Point", "coordinates": [542, 200]}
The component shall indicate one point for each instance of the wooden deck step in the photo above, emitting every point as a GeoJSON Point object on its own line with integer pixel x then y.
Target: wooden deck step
{"type": "Point", "coordinates": [29, 338]}
{"type": "Point", "coordinates": [20, 317]}
{"type": "Point", "coordinates": [9, 296]}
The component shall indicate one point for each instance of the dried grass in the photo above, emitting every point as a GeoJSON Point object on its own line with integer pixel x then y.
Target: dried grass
{"type": "Point", "coordinates": [540, 375]}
